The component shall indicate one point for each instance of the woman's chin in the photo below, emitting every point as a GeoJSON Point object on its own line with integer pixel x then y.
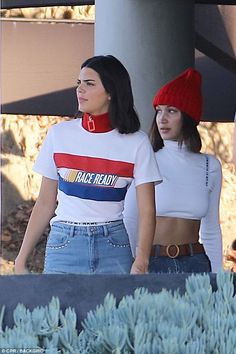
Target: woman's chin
{"type": "Point", "coordinates": [165, 137]}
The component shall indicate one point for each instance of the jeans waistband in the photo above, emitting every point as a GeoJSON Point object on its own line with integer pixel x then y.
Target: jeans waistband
{"type": "Point", "coordinates": [74, 223]}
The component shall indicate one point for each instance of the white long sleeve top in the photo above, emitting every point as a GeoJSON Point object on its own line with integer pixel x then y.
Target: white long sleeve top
{"type": "Point", "coordinates": [191, 190]}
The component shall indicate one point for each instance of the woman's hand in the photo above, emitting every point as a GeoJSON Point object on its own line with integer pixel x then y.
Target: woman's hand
{"type": "Point", "coordinates": [140, 266]}
{"type": "Point", "coordinates": [146, 229]}
{"type": "Point", "coordinates": [20, 267]}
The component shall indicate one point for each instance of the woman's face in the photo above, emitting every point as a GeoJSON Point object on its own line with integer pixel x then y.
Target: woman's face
{"type": "Point", "coordinates": [91, 95]}
{"type": "Point", "coordinates": [169, 122]}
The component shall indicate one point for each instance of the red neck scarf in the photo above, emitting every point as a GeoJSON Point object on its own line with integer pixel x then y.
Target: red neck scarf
{"type": "Point", "coordinates": [96, 124]}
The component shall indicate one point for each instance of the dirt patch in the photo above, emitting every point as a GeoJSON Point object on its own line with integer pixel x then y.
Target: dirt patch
{"type": "Point", "coordinates": [12, 237]}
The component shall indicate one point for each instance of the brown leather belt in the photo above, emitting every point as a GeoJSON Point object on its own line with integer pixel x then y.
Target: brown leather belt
{"type": "Point", "coordinates": [174, 251]}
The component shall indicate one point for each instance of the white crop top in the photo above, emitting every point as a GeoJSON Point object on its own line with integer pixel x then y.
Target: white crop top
{"type": "Point", "coordinates": [187, 191]}
{"type": "Point", "coordinates": [191, 190]}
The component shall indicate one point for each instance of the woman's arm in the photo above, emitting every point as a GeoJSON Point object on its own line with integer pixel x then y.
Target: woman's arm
{"type": "Point", "coordinates": [130, 214]}
{"type": "Point", "coordinates": [210, 230]}
{"type": "Point", "coordinates": [146, 226]}
{"type": "Point", "coordinates": [42, 212]}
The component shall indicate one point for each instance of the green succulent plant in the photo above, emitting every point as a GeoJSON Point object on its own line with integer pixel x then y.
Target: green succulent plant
{"type": "Point", "coordinates": [199, 321]}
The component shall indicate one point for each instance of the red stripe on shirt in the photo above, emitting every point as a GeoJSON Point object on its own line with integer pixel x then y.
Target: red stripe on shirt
{"type": "Point", "coordinates": [94, 164]}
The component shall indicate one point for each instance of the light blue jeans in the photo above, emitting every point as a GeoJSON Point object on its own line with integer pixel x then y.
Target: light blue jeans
{"type": "Point", "coordinates": [89, 249]}
{"type": "Point", "coordinates": [197, 263]}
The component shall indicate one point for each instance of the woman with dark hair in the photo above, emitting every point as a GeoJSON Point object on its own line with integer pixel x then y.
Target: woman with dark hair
{"type": "Point", "coordinates": [187, 201]}
{"type": "Point", "coordinates": [87, 166]}
{"type": "Point", "coordinates": [116, 81]}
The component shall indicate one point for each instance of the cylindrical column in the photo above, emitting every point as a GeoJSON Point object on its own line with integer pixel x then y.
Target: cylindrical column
{"type": "Point", "coordinates": [154, 39]}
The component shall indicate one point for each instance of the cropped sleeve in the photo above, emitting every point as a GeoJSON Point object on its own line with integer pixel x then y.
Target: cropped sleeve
{"type": "Point", "coordinates": [146, 168]}
{"type": "Point", "coordinates": [44, 163]}
{"type": "Point", "coordinates": [210, 230]}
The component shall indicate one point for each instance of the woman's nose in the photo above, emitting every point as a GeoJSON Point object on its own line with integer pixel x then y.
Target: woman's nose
{"type": "Point", "coordinates": [162, 116]}
{"type": "Point", "coordinates": [80, 88]}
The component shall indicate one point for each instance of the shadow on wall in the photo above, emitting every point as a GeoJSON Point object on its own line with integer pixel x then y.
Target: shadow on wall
{"type": "Point", "coordinates": [61, 103]}
{"type": "Point", "coordinates": [9, 145]}
{"type": "Point", "coordinates": [10, 195]}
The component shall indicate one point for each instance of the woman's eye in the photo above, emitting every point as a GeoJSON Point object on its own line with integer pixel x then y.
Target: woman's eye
{"type": "Point", "coordinates": [79, 83]}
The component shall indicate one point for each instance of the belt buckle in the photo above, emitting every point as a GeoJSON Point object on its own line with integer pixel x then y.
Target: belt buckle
{"type": "Point", "coordinates": [168, 251]}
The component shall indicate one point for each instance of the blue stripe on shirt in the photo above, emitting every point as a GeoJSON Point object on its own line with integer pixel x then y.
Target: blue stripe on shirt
{"type": "Point", "coordinates": [85, 191]}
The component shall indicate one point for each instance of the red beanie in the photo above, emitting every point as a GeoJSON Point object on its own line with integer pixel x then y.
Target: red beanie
{"type": "Point", "coordinates": [184, 93]}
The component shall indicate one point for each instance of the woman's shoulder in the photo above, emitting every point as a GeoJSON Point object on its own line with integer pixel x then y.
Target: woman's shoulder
{"type": "Point", "coordinates": [62, 127]}
{"type": "Point", "coordinates": [140, 134]}
{"type": "Point", "coordinates": [65, 124]}
{"type": "Point", "coordinates": [137, 137]}
{"type": "Point", "coordinates": [214, 162]}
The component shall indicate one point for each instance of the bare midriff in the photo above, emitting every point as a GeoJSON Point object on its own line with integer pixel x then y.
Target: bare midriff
{"type": "Point", "coordinates": [176, 231]}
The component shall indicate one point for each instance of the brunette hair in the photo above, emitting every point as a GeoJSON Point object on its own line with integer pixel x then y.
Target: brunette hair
{"type": "Point", "coordinates": [116, 81]}
{"type": "Point", "coordinates": [189, 135]}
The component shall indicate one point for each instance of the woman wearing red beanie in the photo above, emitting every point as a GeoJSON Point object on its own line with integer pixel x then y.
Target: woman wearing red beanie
{"type": "Point", "coordinates": [187, 201]}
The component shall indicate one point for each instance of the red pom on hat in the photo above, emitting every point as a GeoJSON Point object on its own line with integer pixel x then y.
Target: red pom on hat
{"type": "Point", "coordinates": [184, 93]}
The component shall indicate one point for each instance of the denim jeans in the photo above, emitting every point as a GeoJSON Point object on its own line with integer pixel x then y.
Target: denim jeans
{"type": "Point", "coordinates": [197, 263]}
{"type": "Point", "coordinates": [91, 249]}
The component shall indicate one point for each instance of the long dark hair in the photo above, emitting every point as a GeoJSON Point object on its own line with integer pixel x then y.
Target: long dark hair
{"type": "Point", "coordinates": [189, 135]}
{"type": "Point", "coordinates": [116, 81]}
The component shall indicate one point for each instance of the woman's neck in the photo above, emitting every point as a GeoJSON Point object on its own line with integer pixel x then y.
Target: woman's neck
{"type": "Point", "coordinates": [96, 123]}
{"type": "Point", "coordinates": [174, 144]}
